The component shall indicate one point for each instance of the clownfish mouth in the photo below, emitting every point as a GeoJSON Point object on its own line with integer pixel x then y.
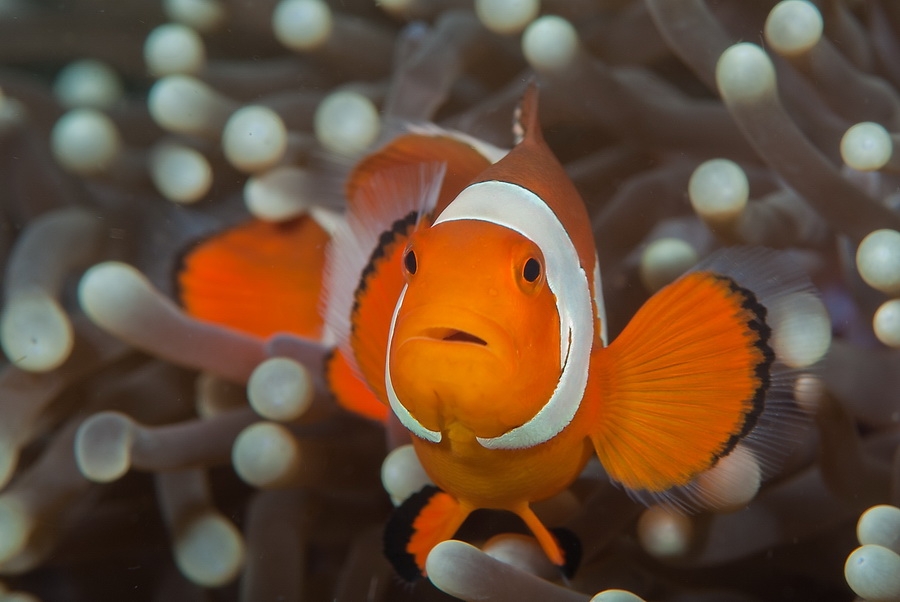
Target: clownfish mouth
{"type": "Point", "coordinates": [455, 336]}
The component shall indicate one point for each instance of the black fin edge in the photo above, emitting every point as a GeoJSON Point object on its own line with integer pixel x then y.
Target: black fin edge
{"type": "Point", "coordinates": [572, 550]}
{"type": "Point", "coordinates": [763, 369]}
{"type": "Point", "coordinates": [399, 530]}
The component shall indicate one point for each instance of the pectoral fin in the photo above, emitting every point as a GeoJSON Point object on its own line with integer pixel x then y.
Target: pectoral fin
{"type": "Point", "coordinates": [695, 374]}
{"type": "Point", "coordinates": [259, 277]}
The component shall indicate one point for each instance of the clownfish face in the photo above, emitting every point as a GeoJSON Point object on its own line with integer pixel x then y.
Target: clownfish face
{"type": "Point", "coordinates": [474, 349]}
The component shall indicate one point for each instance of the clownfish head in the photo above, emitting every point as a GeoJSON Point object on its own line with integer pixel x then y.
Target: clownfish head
{"type": "Point", "coordinates": [492, 335]}
{"type": "Point", "coordinates": [476, 328]}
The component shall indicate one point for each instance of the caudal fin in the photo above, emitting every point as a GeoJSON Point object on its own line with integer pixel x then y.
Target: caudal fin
{"type": "Point", "coordinates": [696, 394]}
{"type": "Point", "coordinates": [258, 277]}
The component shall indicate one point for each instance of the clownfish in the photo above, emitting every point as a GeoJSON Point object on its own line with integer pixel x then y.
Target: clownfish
{"type": "Point", "coordinates": [464, 294]}
{"type": "Point", "coordinates": [467, 299]}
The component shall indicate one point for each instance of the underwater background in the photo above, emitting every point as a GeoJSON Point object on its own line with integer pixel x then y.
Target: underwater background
{"type": "Point", "coordinates": [136, 463]}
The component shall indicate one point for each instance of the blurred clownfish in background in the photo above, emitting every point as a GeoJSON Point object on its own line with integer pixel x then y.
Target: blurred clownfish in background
{"type": "Point", "coordinates": [464, 294]}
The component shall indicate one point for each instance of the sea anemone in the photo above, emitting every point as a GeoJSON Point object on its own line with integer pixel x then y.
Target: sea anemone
{"type": "Point", "coordinates": [151, 453]}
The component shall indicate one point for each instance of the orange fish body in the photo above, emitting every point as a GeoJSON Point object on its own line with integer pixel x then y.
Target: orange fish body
{"type": "Point", "coordinates": [258, 277]}
{"type": "Point", "coordinates": [479, 320]}
{"type": "Point", "coordinates": [487, 329]}
{"type": "Point", "coordinates": [464, 295]}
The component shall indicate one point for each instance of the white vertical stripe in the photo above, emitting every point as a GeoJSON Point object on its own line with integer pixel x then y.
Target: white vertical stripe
{"type": "Point", "coordinates": [406, 419]}
{"type": "Point", "coordinates": [598, 301]}
{"type": "Point", "coordinates": [514, 207]}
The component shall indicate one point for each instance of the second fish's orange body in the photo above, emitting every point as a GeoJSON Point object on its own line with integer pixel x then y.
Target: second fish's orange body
{"type": "Point", "coordinates": [465, 295]}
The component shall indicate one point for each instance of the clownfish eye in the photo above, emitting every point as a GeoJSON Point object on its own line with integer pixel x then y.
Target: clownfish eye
{"type": "Point", "coordinates": [409, 261]}
{"type": "Point", "coordinates": [532, 269]}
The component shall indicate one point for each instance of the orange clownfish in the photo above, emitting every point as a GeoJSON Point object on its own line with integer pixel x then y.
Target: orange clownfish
{"type": "Point", "coordinates": [463, 292]}
{"type": "Point", "coordinates": [465, 295]}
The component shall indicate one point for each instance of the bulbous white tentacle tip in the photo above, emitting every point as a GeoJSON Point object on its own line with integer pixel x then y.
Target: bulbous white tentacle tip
{"type": "Point", "coordinates": [174, 48]}
{"type": "Point", "coordinates": [209, 550]}
{"type": "Point", "coordinates": [112, 293]}
{"type": "Point", "coordinates": [180, 173]}
{"type": "Point", "coordinates": [732, 483]}
{"type": "Point", "coordinates": [254, 139]}
{"type": "Point", "coordinates": [167, 94]}
{"type": "Point", "coordinates": [302, 25]}
{"type": "Point", "coordinates": [346, 123]}
{"type": "Point", "coordinates": [402, 474]}
{"type": "Point", "coordinates": [85, 141]}
{"type": "Point", "coordinates": [664, 533]}
{"type": "Point", "coordinates": [664, 260]}
{"type": "Point", "coordinates": [793, 27]}
{"type": "Point", "coordinates": [103, 446]}
{"type": "Point", "coordinates": [880, 525]}
{"type": "Point", "coordinates": [866, 146]}
{"type": "Point", "coordinates": [801, 329]}
{"type": "Point", "coordinates": [185, 105]}
{"type": "Point", "coordinates": [886, 323]}
{"type": "Point", "coordinates": [550, 43]}
{"type": "Point", "coordinates": [280, 389]}
{"type": "Point", "coordinates": [718, 189]}
{"type": "Point", "coordinates": [506, 16]}
{"type": "Point", "coordinates": [87, 84]}
{"type": "Point", "coordinates": [873, 573]}
{"type": "Point", "coordinates": [878, 260]}
{"type": "Point", "coordinates": [744, 73]}
{"type": "Point", "coordinates": [446, 566]}
{"type": "Point", "coordinates": [265, 454]}
{"type": "Point", "coordinates": [35, 332]}
{"type": "Point", "coordinates": [278, 194]}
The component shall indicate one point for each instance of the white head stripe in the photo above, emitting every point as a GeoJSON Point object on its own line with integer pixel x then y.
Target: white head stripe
{"type": "Point", "coordinates": [522, 211]}
{"type": "Point", "coordinates": [598, 300]}
{"type": "Point", "coordinates": [403, 415]}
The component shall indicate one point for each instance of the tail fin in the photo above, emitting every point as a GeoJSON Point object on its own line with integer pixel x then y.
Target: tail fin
{"type": "Point", "coordinates": [259, 278]}
{"type": "Point", "coordinates": [705, 371]}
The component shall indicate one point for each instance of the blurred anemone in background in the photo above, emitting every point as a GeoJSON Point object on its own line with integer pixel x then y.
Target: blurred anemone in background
{"type": "Point", "coordinates": [146, 454]}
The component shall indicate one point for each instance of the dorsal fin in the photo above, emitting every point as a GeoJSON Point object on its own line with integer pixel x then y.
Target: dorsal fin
{"type": "Point", "coordinates": [423, 145]}
{"type": "Point", "coordinates": [526, 126]}
{"type": "Point", "coordinates": [532, 165]}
